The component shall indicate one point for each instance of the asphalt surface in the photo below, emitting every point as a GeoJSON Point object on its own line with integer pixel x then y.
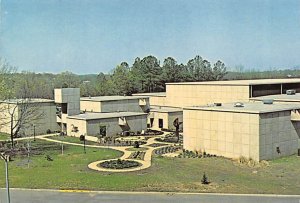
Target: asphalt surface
{"type": "Point", "coordinates": [51, 196]}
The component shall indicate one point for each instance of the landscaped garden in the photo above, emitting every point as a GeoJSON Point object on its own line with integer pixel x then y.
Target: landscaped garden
{"type": "Point", "coordinates": [49, 168]}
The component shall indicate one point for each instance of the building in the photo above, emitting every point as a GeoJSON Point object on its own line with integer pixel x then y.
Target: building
{"type": "Point", "coordinates": [106, 124]}
{"type": "Point", "coordinates": [68, 104]}
{"type": "Point", "coordinates": [252, 130]}
{"type": "Point", "coordinates": [161, 117]}
{"type": "Point", "coordinates": [100, 116]}
{"type": "Point", "coordinates": [37, 116]}
{"type": "Point", "coordinates": [155, 98]}
{"type": "Point", "coordinates": [184, 94]}
{"type": "Point", "coordinates": [114, 104]}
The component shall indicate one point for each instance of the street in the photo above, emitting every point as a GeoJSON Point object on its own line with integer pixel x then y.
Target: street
{"type": "Point", "coordinates": [52, 196]}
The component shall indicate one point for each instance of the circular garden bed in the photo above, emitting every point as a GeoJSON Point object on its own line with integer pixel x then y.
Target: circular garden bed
{"type": "Point", "coordinates": [119, 164]}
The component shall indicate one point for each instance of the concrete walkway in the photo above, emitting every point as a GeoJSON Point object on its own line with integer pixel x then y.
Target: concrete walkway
{"type": "Point", "coordinates": [146, 163]}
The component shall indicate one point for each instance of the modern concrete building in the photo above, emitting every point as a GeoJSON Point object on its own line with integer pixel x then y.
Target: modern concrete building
{"type": "Point", "coordinates": [105, 116]}
{"type": "Point", "coordinates": [161, 117]}
{"type": "Point", "coordinates": [202, 93]}
{"type": "Point", "coordinates": [95, 124]}
{"type": "Point", "coordinates": [114, 104]}
{"type": "Point", "coordinates": [253, 130]}
{"type": "Point", "coordinates": [155, 98]}
{"type": "Point", "coordinates": [35, 115]}
{"type": "Point", "coordinates": [68, 104]}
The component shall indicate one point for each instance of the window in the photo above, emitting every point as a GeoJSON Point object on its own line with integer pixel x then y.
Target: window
{"type": "Point", "coordinates": [151, 122]}
{"type": "Point", "coordinates": [102, 130]}
{"type": "Point", "coordinates": [160, 123]}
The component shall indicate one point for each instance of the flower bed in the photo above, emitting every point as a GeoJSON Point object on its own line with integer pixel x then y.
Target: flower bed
{"type": "Point", "coordinates": [166, 150]}
{"type": "Point", "coordinates": [119, 164]}
{"type": "Point", "coordinates": [191, 154]}
{"type": "Point", "coordinates": [137, 155]}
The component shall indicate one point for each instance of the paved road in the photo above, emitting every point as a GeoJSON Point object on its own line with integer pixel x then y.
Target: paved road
{"type": "Point", "coordinates": [48, 196]}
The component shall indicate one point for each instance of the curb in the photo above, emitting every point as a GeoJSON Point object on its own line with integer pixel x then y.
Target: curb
{"type": "Point", "coordinates": [150, 193]}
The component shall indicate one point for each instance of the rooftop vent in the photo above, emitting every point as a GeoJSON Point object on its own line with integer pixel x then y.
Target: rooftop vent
{"type": "Point", "coordinates": [267, 101]}
{"type": "Point", "coordinates": [238, 104]}
{"type": "Point", "coordinates": [218, 104]}
{"type": "Point", "coordinates": [291, 92]}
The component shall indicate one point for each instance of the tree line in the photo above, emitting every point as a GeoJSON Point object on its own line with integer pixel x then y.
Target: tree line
{"type": "Point", "coordinates": [144, 75]}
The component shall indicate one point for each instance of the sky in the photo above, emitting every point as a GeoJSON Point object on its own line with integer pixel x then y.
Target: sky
{"type": "Point", "coordinates": [92, 36]}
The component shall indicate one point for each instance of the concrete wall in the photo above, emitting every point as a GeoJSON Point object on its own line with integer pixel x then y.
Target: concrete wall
{"type": "Point", "coordinates": [128, 105]}
{"type": "Point", "coordinates": [43, 118]}
{"type": "Point", "coordinates": [91, 127]}
{"type": "Point", "coordinates": [157, 101]}
{"type": "Point", "coordinates": [124, 105]}
{"type": "Point", "coordinates": [168, 119]}
{"type": "Point", "coordinates": [233, 135]}
{"type": "Point", "coordinates": [70, 96]}
{"type": "Point", "coordinates": [90, 106]}
{"type": "Point", "coordinates": [191, 95]}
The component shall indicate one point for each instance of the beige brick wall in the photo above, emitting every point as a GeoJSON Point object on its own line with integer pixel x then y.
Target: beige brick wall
{"type": "Point", "coordinates": [90, 106]}
{"type": "Point", "coordinates": [157, 101]}
{"type": "Point", "coordinates": [191, 95]}
{"type": "Point", "coordinates": [233, 135]}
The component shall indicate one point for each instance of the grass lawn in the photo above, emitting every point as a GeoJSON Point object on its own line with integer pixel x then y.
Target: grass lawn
{"type": "Point", "coordinates": [137, 149]}
{"type": "Point", "coordinates": [4, 136]}
{"type": "Point", "coordinates": [69, 171]}
{"type": "Point", "coordinates": [71, 139]}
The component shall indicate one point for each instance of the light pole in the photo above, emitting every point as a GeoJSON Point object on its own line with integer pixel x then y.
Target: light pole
{"type": "Point", "coordinates": [6, 160]}
{"type": "Point", "coordinates": [33, 132]}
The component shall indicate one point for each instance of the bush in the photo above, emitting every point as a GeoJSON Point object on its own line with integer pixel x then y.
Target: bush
{"type": "Point", "coordinates": [136, 144]}
{"type": "Point", "coordinates": [48, 131]}
{"type": "Point", "coordinates": [204, 179]}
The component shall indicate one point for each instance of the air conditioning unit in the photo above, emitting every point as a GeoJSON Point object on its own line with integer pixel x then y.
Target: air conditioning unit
{"type": "Point", "coordinates": [267, 101]}
{"type": "Point", "coordinates": [238, 104]}
{"type": "Point", "coordinates": [291, 92]}
{"type": "Point", "coordinates": [218, 104]}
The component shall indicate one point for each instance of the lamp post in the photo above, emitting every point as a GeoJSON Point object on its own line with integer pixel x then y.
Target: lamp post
{"type": "Point", "coordinates": [33, 132]}
{"type": "Point", "coordinates": [6, 160]}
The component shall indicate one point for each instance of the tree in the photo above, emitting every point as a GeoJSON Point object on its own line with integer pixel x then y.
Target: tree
{"type": "Point", "coordinates": [67, 79]}
{"type": "Point", "coordinates": [171, 71]}
{"type": "Point", "coordinates": [120, 79]}
{"type": "Point", "coordinates": [18, 114]}
{"type": "Point", "coordinates": [219, 70]}
{"type": "Point", "coordinates": [204, 179]}
{"type": "Point", "coordinates": [199, 69]}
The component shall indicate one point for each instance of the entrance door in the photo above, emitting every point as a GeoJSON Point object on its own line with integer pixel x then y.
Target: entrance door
{"type": "Point", "coordinates": [160, 123]}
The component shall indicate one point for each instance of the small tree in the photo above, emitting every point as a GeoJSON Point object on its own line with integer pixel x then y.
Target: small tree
{"type": "Point", "coordinates": [136, 144]}
{"type": "Point", "coordinates": [204, 179]}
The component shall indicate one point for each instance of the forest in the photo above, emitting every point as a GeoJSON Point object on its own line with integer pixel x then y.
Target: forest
{"type": "Point", "coordinates": [146, 74]}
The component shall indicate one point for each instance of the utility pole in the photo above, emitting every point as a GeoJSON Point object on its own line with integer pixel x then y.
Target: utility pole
{"type": "Point", "coordinates": [6, 160]}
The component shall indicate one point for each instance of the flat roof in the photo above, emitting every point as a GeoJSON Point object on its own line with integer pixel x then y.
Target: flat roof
{"type": "Point", "coordinates": [32, 100]}
{"type": "Point", "coordinates": [96, 116]}
{"type": "Point", "coordinates": [279, 97]}
{"type": "Point", "coordinates": [165, 109]}
{"type": "Point", "coordinates": [249, 107]}
{"type": "Point", "coordinates": [241, 82]}
{"type": "Point", "coordinates": [111, 98]}
{"type": "Point", "coordinates": [156, 94]}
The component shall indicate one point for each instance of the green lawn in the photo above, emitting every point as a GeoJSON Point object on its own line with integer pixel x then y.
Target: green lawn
{"type": "Point", "coordinates": [71, 139]}
{"type": "Point", "coordinates": [69, 171]}
{"type": "Point", "coordinates": [137, 149]}
{"type": "Point", "coordinates": [4, 136]}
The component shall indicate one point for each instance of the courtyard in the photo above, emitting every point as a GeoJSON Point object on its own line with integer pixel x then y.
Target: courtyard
{"type": "Point", "coordinates": [70, 170]}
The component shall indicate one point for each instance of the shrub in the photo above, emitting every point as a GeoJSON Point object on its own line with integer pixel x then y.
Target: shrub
{"type": "Point", "coordinates": [48, 131]}
{"type": "Point", "coordinates": [204, 179]}
{"type": "Point", "coordinates": [136, 144]}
